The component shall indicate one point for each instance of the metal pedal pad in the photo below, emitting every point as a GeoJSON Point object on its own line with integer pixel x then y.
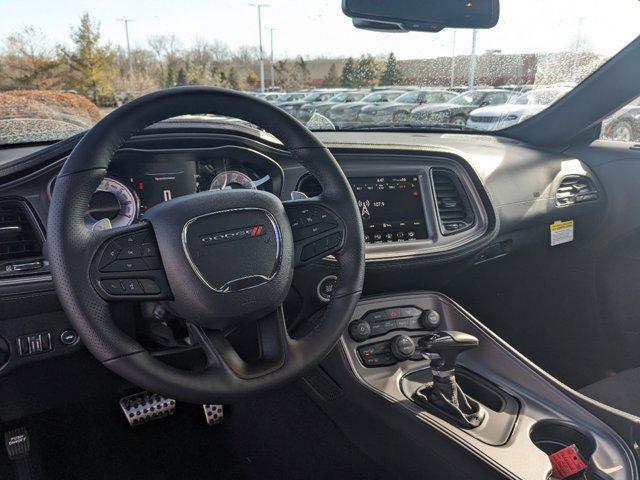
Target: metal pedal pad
{"type": "Point", "coordinates": [146, 406]}
{"type": "Point", "coordinates": [213, 414]}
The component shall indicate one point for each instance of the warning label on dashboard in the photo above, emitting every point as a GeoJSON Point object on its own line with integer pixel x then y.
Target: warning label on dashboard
{"type": "Point", "coordinates": [561, 232]}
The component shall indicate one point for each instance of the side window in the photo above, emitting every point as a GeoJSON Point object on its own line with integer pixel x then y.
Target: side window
{"type": "Point", "coordinates": [624, 125]}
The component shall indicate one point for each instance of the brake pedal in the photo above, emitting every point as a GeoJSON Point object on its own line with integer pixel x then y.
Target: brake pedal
{"type": "Point", "coordinates": [146, 406]}
{"type": "Point", "coordinates": [213, 414]}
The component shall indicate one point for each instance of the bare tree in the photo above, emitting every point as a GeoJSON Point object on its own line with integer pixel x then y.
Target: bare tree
{"type": "Point", "coordinates": [28, 60]}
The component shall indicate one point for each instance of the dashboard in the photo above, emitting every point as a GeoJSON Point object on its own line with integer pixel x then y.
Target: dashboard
{"type": "Point", "coordinates": [434, 208]}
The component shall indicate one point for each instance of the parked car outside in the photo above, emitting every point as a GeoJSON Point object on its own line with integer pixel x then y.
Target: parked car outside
{"type": "Point", "coordinates": [293, 107]}
{"type": "Point", "coordinates": [456, 111]}
{"type": "Point", "coordinates": [399, 111]}
{"type": "Point", "coordinates": [348, 115]}
{"type": "Point", "coordinates": [291, 97]}
{"type": "Point", "coordinates": [502, 116]}
{"type": "Point", "coordinates": [271, 97]}
{"type": "Point", "coordinates": [624, 125]}
{"type": "Point", "coordinates": [307, 111]}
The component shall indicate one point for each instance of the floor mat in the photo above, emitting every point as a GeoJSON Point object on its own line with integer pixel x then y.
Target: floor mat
{"type": "Point", "coordinates": [280, 436]}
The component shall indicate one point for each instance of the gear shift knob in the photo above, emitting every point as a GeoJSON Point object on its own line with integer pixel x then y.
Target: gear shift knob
{"type": "Point", "coordinates": [447, 345]}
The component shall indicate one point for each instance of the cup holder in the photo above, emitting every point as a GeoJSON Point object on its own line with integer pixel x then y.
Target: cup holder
{"type": "Point", "coordinates": [551, 436]}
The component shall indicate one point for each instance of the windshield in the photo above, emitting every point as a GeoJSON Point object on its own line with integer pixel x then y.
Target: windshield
{"type": "Point", "coordinates": [541, 97]}
{"type": "Point", "coordinates": [63, 68]}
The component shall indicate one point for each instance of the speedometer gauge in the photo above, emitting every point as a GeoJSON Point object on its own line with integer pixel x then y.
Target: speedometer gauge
{"type": "Point", "coordinates": [113, 201]}
{"type": "Point", "coordinates": [232, 179]}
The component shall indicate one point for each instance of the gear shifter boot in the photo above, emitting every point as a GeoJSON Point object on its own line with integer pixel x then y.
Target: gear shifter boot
{"type": "Point", "coordinates": [445, 396]}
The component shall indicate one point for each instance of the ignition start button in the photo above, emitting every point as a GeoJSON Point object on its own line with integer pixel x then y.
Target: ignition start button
{"type": "Point", "coordinates": [68, 337]}
{"type": "Point", "coordinates": [325, 288]}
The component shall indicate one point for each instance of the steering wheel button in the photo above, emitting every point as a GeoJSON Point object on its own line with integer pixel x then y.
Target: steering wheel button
{"type": "Point", "coordinates": [110, 255]}
{"type": "Point", "coordinates": [309, 251]}
{"type": "Point", "coordinates": [149, 286]}
{"type": "Point", "coordinates": [133, 265]}
{"type": "Point", "coordinates": [112, 287]}
{"type": "Point", "coordinates": [132, 287]}
{"type": "Point", "coordinates": [130, 251]}
{"type": "Point", "coordinates": [133, 239]}
{"type": "Point", "coordinates": [334, 240]}
{"type": "Point", "coordinates": [148, 250]}
{"type": "Point", "coordinates": [153, 263]}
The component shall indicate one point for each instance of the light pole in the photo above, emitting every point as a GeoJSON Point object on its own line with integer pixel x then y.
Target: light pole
{"type": "Point", "coordinates": [273, 69]}
{"type": "Point", "coordinates": [472, 59]}
{"type": "Point", "coordinates": [453, 61]}
{"type": "Point", "coordinates": [126, 31]}
{"type": "Point", "coordinates": [260, 6]}
{"type": "Point", "coordinates": [576, 53]}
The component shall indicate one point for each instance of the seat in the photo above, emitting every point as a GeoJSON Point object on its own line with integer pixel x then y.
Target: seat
{"type": "Point", "coordinates": [621, 391]}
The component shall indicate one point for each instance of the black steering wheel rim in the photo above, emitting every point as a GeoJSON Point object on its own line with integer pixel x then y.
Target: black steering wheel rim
{"type": "Point", "coordinates": [72, 248]}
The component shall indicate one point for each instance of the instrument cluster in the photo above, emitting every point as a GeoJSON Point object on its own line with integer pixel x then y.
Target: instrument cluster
{"type": "Point", "coordinates": [137, 180]}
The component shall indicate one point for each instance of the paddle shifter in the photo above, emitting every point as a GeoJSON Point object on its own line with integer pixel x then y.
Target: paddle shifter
{"type": "Point", "coordinates": [444, 394]}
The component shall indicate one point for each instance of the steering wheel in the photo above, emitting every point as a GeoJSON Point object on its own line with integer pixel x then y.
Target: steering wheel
{"type": "Point", "coordinates": [217, 258]}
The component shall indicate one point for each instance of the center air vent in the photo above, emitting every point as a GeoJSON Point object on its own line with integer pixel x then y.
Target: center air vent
{"type": "Point", "coordinates": [20, 238]}
{"type": "Point", "coordinates": [575, 189]}
{"type": "Point", "coordinates": [310, 186]}
{"type": "Point", "coordinates": [454, 211]}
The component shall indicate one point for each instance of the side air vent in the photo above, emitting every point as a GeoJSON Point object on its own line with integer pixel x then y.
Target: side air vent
{"type": "Point", "coordinates": [454, 211]}
{"type": "Point", "coordinates": [20, 239]}
{"type": "Point", "coordinates": [310, 186]}
{"type": "Point", "coordinates": [575, 189]}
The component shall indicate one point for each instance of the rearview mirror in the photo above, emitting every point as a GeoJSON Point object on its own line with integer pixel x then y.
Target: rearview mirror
{"type": "Point", "coordinates": [421, 15]}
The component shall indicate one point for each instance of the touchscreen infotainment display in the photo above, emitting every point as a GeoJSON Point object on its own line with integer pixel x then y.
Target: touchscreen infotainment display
{"type": "Point", "coordinates": [391, 207]}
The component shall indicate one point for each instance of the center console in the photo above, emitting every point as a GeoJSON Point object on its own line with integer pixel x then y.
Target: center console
{"type": "Point", "coordinates": [513, 416]}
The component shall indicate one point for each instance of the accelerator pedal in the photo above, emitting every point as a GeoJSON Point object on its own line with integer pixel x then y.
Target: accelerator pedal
{"type": "Point", "coordinates": [213, 414]}
{"type": "Point", "coordinates": [145, 406]}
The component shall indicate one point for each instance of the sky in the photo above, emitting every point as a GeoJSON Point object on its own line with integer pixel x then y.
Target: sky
{"type": "Point", "coordinates": [318, 27]}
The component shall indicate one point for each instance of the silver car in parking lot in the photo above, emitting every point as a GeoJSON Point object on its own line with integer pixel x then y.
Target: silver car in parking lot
{"type": "Point", "coordinates": [347, 115]}
{"type": "Point", "coordinates": [398, 112]}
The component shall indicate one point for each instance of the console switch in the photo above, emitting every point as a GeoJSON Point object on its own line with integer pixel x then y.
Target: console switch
{"type": "Point", "coordinates": [34, 343]}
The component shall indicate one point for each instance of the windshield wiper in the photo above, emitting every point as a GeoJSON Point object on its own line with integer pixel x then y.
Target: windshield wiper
{"type": "Point", "coordinates": [408, 126]}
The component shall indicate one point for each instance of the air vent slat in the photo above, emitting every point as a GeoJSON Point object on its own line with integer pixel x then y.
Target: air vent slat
{"type": "Point", "coordinates": [454, 211]}
{"type": "Point", "coordinates": [575, 189]}
{"type": "Point", "coordinates": [19, 238]}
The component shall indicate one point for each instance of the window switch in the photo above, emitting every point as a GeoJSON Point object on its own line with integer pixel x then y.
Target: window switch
{"type": "Point", "coordinates": [45, 340]}
{"type": "Point", "coordinates": [23, 346]}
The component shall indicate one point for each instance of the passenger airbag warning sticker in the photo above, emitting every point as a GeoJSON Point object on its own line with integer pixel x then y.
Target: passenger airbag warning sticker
{"type": "Point", "coordinates": [561, 232]}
